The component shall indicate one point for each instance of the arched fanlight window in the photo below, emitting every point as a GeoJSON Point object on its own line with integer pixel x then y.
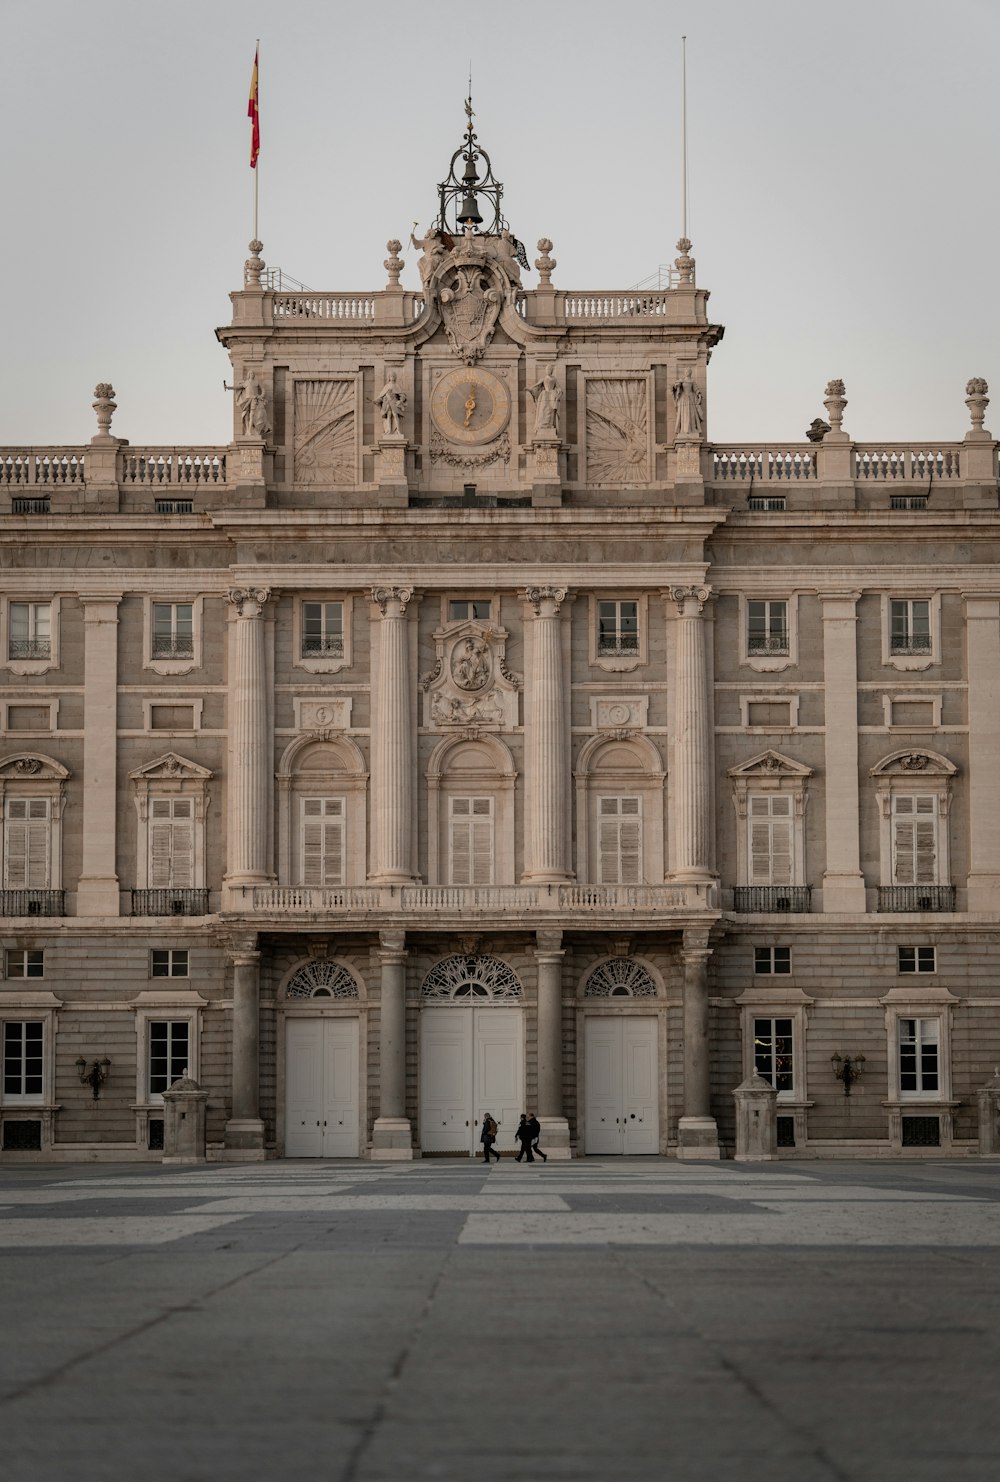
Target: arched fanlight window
{"type": "Point", "coordinates": [620, 977]}
{"type": "Point", "coordinates": [459, 979]}
{"type": "Point", "coordinates": [322, 979]}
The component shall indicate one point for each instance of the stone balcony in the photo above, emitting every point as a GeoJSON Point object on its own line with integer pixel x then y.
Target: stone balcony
{"type": "Point", "coordinates": [452, 906]}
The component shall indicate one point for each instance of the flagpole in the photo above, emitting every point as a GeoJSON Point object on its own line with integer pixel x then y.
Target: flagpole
{"type": "Point", "coordinates": [256, 168]}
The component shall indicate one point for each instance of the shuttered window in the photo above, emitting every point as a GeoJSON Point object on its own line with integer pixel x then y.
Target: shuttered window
{"type": "Point", "coordinates": [321, 837]}
{"type": "Point", "coordinates": [914, 839]}
{"type": "Point", "coordinates": [770, 822]}
{"type": "Point", "coordinates": [171, 843]}
{"type": "Point", "coordinates": [27, 853]}
{"type": "Point", "coordinates": [619, 826]}
{"type": "Point", "coordinates": [470, 829]}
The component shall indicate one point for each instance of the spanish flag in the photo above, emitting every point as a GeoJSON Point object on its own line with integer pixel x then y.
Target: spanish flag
{"type": "Point", "coordinates": [253, 114]}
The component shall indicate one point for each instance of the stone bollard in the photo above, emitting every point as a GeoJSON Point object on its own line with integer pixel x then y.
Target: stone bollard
{"type": "Point", "coordinates": [756, 1120]}
{"type": "Point", "coordinates": [989, 1117]}
{"type": "Point", "coordinates": [184, 1122]}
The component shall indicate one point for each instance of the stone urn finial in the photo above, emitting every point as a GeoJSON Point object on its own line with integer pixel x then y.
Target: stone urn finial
{"type": "Point", "coordinates": [254, 265]}
{"type": "Point", "coordinates": [105, 406]}
{"type": "Point", "coordinates": [977, 401]}
{"type": "Point", "coordinates": [393, 263]}
{"type": "Point", "coordinates": [835, 401]}
{"type": "Point", "coordinates": [685, 263]}
{"type": "Point", "coordinates": [545, 263]}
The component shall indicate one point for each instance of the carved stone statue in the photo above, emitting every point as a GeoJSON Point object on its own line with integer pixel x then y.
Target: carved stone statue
{"type": "Point", "coordinates": [392, 402]}
{"type": "Point", "coordinates": [246, 395]}
{"type": "Point", "coordinates": [260, 422]}
{"type": "Point", "coordinates": [548, 397]}
{"type": "Point", "coordinates": [690, 406]}
{"type": "Point", "coordinates": [433, 250]}
{"type": "Point", "coordinates": [505, 253]}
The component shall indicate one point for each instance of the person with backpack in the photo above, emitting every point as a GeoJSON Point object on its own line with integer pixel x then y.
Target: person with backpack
{"type": "Point", "coordinates": [488, 1137]}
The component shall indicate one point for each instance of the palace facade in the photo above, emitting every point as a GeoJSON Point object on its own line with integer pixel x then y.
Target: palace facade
{"type": "Point", "coordinates": [472, 733]}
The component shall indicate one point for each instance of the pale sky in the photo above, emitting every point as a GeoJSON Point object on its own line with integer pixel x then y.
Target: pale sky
{"type": "Point", "coordinates": [844, 205]}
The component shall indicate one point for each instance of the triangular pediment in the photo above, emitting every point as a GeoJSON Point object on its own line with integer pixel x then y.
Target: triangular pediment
{"type": "Point", "coordinates": [171, 767]}
{"type": "Point", "coordinates": [770, 764]}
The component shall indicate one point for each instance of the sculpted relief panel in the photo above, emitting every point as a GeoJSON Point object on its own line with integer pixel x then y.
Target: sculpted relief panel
{"type": "Point", "coordinates": [325, 446]}
{"type": "Point", "coordinates": [470, 684]}
{"type": "Point", "coordinates": [617, 430]}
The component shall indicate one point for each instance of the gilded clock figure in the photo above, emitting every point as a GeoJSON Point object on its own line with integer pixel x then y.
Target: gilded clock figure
{"type": "Point", "coordinates": [470, 406]}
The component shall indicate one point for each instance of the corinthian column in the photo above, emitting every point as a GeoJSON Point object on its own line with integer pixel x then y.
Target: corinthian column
{"type": "Point", "coordinates": [392, 742]}
{"type": "Point", "coordinates": [245, 1130]}
{"type": "Point", "coordinates": [392, 1138]}
{"type": "Point", "coordinates": [697, 1133]}
{"type": "Point", "coordinates": [249, 741]}
{"type": "Point", "coordinates": [692, 780]}
{"type": "Point", "coordinates": [546, 758]}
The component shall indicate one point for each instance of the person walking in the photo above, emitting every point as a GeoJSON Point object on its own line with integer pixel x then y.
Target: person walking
{"type": "Point", "coordinates": [488, 1137]}
{"type": "Point", "coordinates": [523, 1136]}
{"type": "Point", "coordinates": [536, 1132]}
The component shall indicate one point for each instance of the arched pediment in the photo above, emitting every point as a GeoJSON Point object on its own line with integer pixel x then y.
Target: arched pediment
{"type": "Point", "coordinates": [615, 754]}
{"type": "Point", "coordinates": [32, 766]}
{"type": "Point", "coordinates": [171, 767]}
{"type": "Point", "coordinates": [914, 762]}
{"type": "Point", "coordinates": [311, 755]}
{"type": "Point", "coordinates": [770, 764]}
{"type": "Point", "coordinates": [480, 756]}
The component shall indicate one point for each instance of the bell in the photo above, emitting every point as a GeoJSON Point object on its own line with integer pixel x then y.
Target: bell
{"type": "Point", "coordinates": [469, 214]}
{"type": "Point", "coordinates": [471, 176]}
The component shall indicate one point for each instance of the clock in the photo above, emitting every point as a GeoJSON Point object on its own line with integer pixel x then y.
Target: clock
{"type": "Point", "coordinates": [470, 406]}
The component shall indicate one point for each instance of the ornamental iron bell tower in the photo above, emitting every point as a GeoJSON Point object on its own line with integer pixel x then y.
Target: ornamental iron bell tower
{"type": "Point", "coordinates": [470, 196]}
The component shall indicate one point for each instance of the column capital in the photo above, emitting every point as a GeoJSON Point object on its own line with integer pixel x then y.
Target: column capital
{"type": "Point", "coordinates": [688, 598]}
{"type": "Point", "coordinates": [539, 595]}
{"type": "Point", "coordinates": [396, 597]}
{"type": "Point", "coordinates": [392, 946]}
{"type": "Point", "coordinates": [695, 946]}
{"type": "Point", "coordinates": [548, 946]}
{"type": "Point", "coordinates": [249, 601]}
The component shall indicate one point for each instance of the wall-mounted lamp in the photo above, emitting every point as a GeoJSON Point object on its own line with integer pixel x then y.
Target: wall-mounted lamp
{"type": "Point", "coordinates": [849, 1069]}
{"type": "Point", "coordinates": [95, 1076]}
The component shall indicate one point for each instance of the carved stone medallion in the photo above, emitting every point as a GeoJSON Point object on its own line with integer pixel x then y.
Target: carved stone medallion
{"type": "Point", "coordinates": [470, 684]}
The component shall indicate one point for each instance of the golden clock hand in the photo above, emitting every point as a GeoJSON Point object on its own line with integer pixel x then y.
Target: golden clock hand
{"type": "Point", "coordinates": [470, 406]}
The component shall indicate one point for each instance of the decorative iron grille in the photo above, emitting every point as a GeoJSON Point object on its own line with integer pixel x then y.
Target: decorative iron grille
{"type": "Point", "coordinates": [771, 898]}
{"type": "Point", "coordinates": [456, 979]}
{"type": "Point", "coordinates": [170, 902]}
{"type": "Point", "coordinates": [620, 977]}
{"type": "Point", "coordinates": [322, 979]}
{"type": "Point", "coordinates": [916, 897]}
{"type": "Point", "coordinates": [921, 1132]}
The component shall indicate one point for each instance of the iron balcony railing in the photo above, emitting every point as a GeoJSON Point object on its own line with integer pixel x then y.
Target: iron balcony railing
{"type": "Point", "coordinates": [29, 648]}
{"type": "Point", "coordinates": [916, 897]}
{"type": "Point", "coordinates": [767, 643]}
{"type": "Point", "coordinates": [32, 903]}
{"type": "Point", "coordinates": [170, 902]}
{"type": "Point", "coordinates": [332, 646]}
{"type": "Point", "coordinates": [767, 899]}
{"type": "Point", "coordinates": [910, 643]}
{"type": "Point", "coordinates": [172, 648]}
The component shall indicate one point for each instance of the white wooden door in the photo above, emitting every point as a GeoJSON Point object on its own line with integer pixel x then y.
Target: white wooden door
{"type": "Point", "coordinates": [471, 1062]}
{"type": "Point", "coordinates": [622, 1104]}
{"type": "Point", "coordinates": [322, 1112]}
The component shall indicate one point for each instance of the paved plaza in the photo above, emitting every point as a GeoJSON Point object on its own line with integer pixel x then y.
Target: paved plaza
{"type": "Point", "coordinates": [613, 1320]}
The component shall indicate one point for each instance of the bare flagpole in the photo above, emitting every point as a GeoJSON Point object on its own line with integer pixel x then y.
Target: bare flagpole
{"type": "Point", "coordinates": [256, 168]}
{"type": "Point", "coordinates": [684, 138]}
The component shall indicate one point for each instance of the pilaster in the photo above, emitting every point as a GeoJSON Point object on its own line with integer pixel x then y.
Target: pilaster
{"type": "Point", "coordinates": [98, 891]}
{"type": "Point", "coordinates": [549, 955]}
{"type": "Point", "coordinates": [982, 628]}
{"type": "Point", "coordinates": [244, 1136]}
{"type": "Point", "coordinates": [392, 1136]}
{"type": "Point", "coordinates": [697, 1132]}
{"type": "Point", "coordinates": [692, 781]}
{"type": "Point", "coordinates": [250, 744]}
{"type": "Point", "coordinates": [843, 882]}
{"type": "Point", "coordinates": [545, 742]}
{"type": "Point", "coordinates": [392, 780]}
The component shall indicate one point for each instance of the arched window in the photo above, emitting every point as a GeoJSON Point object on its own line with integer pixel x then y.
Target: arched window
{"type": "Point", "coordinates": [462, 979]}
{"type": "Point", "coordinates": [471, 793]}
{"type": "Point", "coordinates": [619, 786]}
{"type": "Point", "coordinates": [322, 978]}
{"type": "Point", "coordinates": [321, 813]}
{"type": "Point", "coordinates": [619, 977]}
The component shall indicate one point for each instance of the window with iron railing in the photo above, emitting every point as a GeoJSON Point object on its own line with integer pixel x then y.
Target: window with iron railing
{"type": "Point", "coordinates": [767, 627]}
{"type": "Point", "coordinates": [322, 629]}
{"type": "Point", "coordinates": [617, 628]}
{"type": "Point", "coordinates": [173, 630]}
{"type": "Point", "coordinates": [29, 630]}
{"type": "Point", "coordinates": [910, 626]}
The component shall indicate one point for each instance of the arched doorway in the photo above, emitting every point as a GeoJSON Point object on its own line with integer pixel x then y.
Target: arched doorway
{"type": "Point", "coordinates": [621, 1064]}
{"type": "Point", "coordinates": [471, 1053]}
{"type": "Point", "coordinates": [322, 1059]}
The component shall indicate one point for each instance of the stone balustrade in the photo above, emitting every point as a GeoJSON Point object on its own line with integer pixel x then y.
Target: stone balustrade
{"type": "Point", "coordinates": [173, 466]}
{"type": "Point", "coordinates": [763, 463]}
{"type": "Point", "coordinates": [900, 463]}
{"type": "Point", "coordinates": [50, 467]}
{"type": "Point", "coordinates": [473, 901]}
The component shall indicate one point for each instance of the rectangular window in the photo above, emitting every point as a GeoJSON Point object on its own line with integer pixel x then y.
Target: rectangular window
{"type": "Point", "coordinates": [619, 858]}
{"type": "Point", "coordinates": [767, 627]}
{"type": "Point", "coordinates": [916, 959]}
{"type": "Point", "coordinates": [478, 608]}
{"type": "Point", "coordinates": [617, 627]}
{"type": "Point", "coordinates": [27, 844]}
{"type": "Point", "coordinates": [772, 959]}
{"type": "Point", "coordinates": [772, 1052]}
{"type": "Point", "coordinates": [23, 1063]}
{"type": "Point", "coordinates": [173, 630]}
{"type": "Point", "coordinates": [471, 841]}
{"type": "Point", "coordinates": [168, 962]}
{"type": "Point", "coordinates": [30, 630]}
{"type": "Point", "coordinates": [910, 627]}
{"type": "Point", "coordinates": [914, 839]}
{"type": "Point", "coordinates": [770, 852]}
{"type": "Point", "coordinates": [322, 841]}
{"type": "Point", "coordinates": [168, 1053]}
{"type": "Point", "coordinates": [322, 630]}
{"type": "Point", "coordinates": [171, 843]}
{"type": "Point", "coordinates": [918, 1055]}
{"type": "Point", "coordinates": [20, 963]}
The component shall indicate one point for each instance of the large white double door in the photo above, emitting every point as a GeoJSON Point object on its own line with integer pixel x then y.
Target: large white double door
{"type": "Point", "coordinates": [471, 1062]}
{"type": "Point", "coordinates": [622, 1102]}
{"type": "Point", "coordinates": [321, 1088]}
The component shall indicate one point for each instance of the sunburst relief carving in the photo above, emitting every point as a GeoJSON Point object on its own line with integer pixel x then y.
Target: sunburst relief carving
{"type": "Point", "coordinates": [324, 432]}
{"type": "Point", "coordinates": [617, 431]}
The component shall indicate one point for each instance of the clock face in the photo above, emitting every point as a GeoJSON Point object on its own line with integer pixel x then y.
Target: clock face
{"type": "Point", "coordinates": [470, 406]}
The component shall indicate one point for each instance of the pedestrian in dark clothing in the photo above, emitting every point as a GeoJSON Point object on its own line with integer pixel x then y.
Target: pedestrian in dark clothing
{"type": "Point", "coordinates": [488, 1137]}
{"type": "Point", "coordinates": [524, 1136]}
{"type": "Point", "coordinates": [536, 1133]}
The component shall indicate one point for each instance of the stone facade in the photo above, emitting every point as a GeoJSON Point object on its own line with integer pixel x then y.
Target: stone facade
{"type": "Point", "coordinates": [473, 733]}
